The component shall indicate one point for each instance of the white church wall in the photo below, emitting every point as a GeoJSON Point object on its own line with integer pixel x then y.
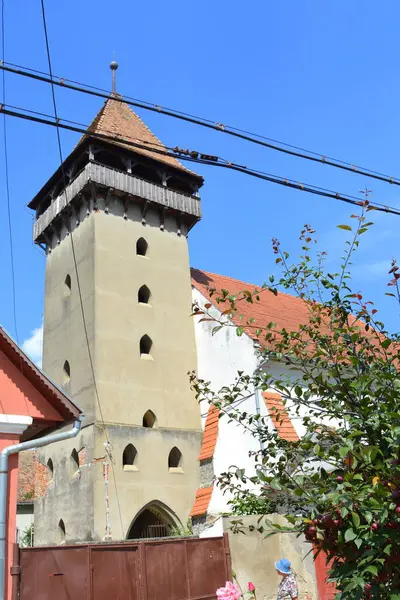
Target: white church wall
{"type": "Point", "coordinates": [220, 357]}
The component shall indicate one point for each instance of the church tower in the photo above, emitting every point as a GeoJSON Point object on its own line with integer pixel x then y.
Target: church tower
{"type": "Point", "coordinates": [118, 336]}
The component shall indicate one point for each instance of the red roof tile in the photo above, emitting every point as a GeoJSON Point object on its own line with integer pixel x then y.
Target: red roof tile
{"type": "Point", "coordinates": [200, 506]}
{"type": "Point", "coordinates": [118, 119]}
{"type": "Point", "coordinates": [280, 417]}
{"type": "Point", "coordinates": [283, 309]}
{"type": "Point", "coordinates": [210, 433]}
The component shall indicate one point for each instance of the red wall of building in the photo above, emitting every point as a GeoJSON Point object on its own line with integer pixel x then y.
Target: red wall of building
{"type": "Point", "coordinates": [326, 590]}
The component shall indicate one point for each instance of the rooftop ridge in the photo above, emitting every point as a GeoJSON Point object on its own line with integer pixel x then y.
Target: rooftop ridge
{"type": "Point", "coordinates": [254, 285]}
{"type": "Point", "coordinates": [117, 118]}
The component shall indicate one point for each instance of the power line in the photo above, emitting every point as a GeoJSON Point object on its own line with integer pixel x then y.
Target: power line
{"type": "Point", "coordinates": [7, 178]}
{"type": "Point", "coordinates": [109, 445]}
{"type": "Point", "coordinates": [199, 158]}
{"type": "Point", "coordinates": [229, 130]}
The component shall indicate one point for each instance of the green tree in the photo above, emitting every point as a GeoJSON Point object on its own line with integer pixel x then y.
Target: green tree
{"type": "Point", "coordinates": [27, 536]}
{"type": "Point", "coordinates": [339, 485]}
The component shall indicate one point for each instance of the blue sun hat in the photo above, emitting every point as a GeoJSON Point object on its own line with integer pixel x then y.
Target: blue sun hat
{"type": "Point", "coordinates": [283, 566]}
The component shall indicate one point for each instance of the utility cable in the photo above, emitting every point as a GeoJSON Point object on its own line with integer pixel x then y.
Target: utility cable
{"type": "Point", "coordinates": [229, 130]}
{"type": "Point", "coordinates": [206, 159]}
{"type": "Point", "coordinates": [109, 445]}
{"type": "Point", "coordinates": [7, 179]}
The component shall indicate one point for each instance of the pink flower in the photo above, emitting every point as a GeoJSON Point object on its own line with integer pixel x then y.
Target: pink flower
{"type": "Point", "coordinates": [231, 591]}
{"type": "Point", "coordinates": [251, 587]}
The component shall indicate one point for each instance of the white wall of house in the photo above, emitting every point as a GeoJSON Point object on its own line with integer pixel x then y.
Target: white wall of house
{"type": "Point", "coordinates": [219, 358]}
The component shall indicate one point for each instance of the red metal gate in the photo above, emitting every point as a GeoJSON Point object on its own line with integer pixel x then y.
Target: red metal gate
{"type": "Point", "coordinates": [173, 569]}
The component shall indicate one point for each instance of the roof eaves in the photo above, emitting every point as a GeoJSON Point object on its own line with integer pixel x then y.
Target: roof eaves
{"type": "Point", "coordinates": [60, 395]}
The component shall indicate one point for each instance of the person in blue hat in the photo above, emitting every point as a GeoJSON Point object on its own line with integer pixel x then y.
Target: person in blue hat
{"type": "Point", "coordinates": [288, 586]}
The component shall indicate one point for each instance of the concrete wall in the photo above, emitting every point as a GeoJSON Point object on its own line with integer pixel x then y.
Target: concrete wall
{"type": "Point", "coordinates": [253, 557]}
{"type": "Point", "coordinates": [69, 494]}
{"type": "Point", "coordinates": [136, 384]}
{"type": "Point", "coordinates": [151, 481]}
{"type": "Point", "coordinates": [128, 384]}
{"type": "Point", "coordinates": [63, 331]}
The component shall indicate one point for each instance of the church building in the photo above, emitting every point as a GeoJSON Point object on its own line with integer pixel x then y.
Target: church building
{"type": "Point", "coordinates": [113, 221]}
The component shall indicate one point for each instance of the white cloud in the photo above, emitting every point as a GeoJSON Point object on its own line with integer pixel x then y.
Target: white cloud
{"type": "Point", "coordinates": [373, 270]}
{"type": "Point", "coordinates": [33, 346]}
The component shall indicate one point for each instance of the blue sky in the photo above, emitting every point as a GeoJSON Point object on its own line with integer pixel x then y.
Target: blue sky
{"type": "Point", "coordinates": [321, 75]}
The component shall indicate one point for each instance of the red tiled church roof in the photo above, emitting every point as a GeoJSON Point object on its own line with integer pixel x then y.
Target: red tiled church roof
{"type": "Point", "coordinates": [118, 119]}
{"type": "Point", "coordinates": [284, 310]}
{"type": "Point", "coordinates": [280, 417]}
{"type": "Point", "coordinates": [203, 497]}
{"type": "Point", "coordinates": [210, 433]}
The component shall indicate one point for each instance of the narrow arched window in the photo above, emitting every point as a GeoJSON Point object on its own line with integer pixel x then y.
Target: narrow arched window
{"type": "Point", "coordinates": [175, 458]}
{"type": "Point", "coordinates": [129, 458]}
{"type": "Point", "coordinates": [144, 295]}
{"type": "Point", "coordinates": [66, 373]}
{"type": "Point", "coordinates": [50, 468]}
{"type": "Point", "coordinates": [149, 419]}
{"type": "Point", "coordinates": [142, 247]}
{"type": "Point", "coordinates": [61, 531]}
{"type": "Point", "coordinates": [74, 463]}
{"type": "Point", "coordinates": [67, 286]}
{"type": "Point", "coordinates": [145, 345]}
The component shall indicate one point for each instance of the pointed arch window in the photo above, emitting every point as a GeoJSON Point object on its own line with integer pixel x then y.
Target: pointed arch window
{"type": "Point", "coordinates": [50, 469]}
{"type": "Point", "coordinates": [74, 463]}
{"type": "Point", "coordinates": [67, 286]}
{"type": "Point", "coordinates": [144, 295]}
{"type": "Point", "coordinates": [145, 346]}
{"type": "Point", "coordinates": [142, 247]}
{"type": "Point", "coordinates": [66, 376]}
{"type": "Point", "coordinates": [149, 419]}
{"type": "Point", "coordinates": [175, 460]}
{"type": "Point", "coordinates": [61, 531]}
{"type": "Point", "coordinates": [129, 456]}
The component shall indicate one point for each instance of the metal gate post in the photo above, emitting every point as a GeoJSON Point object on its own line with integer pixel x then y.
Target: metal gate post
{"type": "Point", "coordinates": [228, 561]}
{"type": "Point", "coordinates": [15, 571]}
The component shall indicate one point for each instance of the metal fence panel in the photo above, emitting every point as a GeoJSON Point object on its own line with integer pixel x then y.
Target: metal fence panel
{"type": "Point", "coordinates": [165, 571]}
{"type": "Point", "coordinates": [206, 566]}
{"type": "Point", "coordinates": [51, 573]}
{"type": "Point", "coordinates": [169, 569]}
{"type": "Point", "coordinates": [116, 573]}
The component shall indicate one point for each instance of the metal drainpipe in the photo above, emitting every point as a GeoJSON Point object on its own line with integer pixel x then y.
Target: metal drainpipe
{"type": "Point", "coordinates": [4, 454]}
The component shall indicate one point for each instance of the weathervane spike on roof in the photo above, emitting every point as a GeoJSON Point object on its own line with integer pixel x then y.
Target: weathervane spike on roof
{"type": "Point", "coordinates": [113, 67]}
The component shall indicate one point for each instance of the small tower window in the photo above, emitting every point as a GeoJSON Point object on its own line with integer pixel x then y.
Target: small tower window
{"type": "Point", "coordinates": [144, 295]}
{"type": "Point", "coordinates": [142, 247]}
{"type": "Point", "coordinates": [61, 532]}
{"type": "Point", "coordinates": [175, 459]}
{"type": "Point", "coordinates": [50, 468]}
{"type": "Point", "coordinates": [145, 346]}
{"type": "Point", "coordinates": [66, 373]}
{"type": "Point", "coordinates": [67, 286]}
{"type": "Point", "coordinates": [74, 463]}
{"type": "Point", "coordinates": [149, 419]}
{"type": "Point", "coordinates": [129, 458]}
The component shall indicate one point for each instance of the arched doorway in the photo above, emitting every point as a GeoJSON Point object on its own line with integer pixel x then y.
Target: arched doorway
{"type": "Point", "coordinates": [153, 521]}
